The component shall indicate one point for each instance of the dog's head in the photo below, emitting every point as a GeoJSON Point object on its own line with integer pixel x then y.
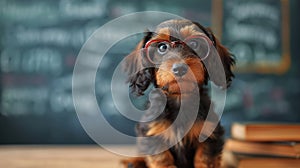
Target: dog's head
{"type": "Point", "coordinates": [174, 55]}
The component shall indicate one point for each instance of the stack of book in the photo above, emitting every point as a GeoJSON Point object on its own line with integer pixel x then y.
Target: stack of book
{"type": "Point", "coordinates": [263, 145]}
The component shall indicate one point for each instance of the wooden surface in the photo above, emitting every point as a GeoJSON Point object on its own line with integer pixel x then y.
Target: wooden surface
{"type": "Point", "coordinates": [59, 157]}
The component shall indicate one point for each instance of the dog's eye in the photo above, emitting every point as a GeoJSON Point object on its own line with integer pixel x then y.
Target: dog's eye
{"type": "Point", "coordinates": [193, 44]}
{"type": "Point", "coordinates": [199, 45]}
{"type": "Point", "coordinates": [162, 48]}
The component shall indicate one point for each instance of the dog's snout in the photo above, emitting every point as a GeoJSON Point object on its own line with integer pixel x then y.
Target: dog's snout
{"type": "Point", "coordinates": [179, 69]}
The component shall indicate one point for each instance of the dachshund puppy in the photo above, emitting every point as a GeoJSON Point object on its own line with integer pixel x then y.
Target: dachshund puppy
{"type": "Point", "coordinates": [171, 59]}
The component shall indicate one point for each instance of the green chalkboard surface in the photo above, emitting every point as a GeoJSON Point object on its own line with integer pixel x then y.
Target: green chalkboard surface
{"type": "Point", "coordinates": [40, 41]}
{"type": "Point", "coordinates": [257, 32]}
{"type": "Point", "coordinates": [39, 44]}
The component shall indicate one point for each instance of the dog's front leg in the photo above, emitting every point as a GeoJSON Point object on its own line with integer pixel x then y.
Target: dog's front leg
{"type": "Point", "coordinates": [208, 153]}
{"type": "Point", "coordinates": [203, 160]}
{"type": "Point", "coordinates": [154, 148]}
{"type": "Point", "coordinates": [162, 160]}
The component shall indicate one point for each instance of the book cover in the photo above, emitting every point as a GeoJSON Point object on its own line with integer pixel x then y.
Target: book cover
{"type": "Point", "coordinates": [287, 149]}
{"type": "Point", "coordinates": [234, 160]}
{"type": "Point", "coordinates": [266, 131]}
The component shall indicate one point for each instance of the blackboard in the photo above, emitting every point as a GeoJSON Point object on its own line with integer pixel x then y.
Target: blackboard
{"type": "Point", "coordinates": [40, 40]}
{"type": "Point", "coordinates": [257, 32]}
{"type": "Point", "coordinates": [39, 44]}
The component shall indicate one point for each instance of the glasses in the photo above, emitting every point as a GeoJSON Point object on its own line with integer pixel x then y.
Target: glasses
{"type": "Point", "coordinates": [157, 48]}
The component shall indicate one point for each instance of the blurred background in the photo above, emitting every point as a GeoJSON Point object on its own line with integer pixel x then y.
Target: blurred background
{"type": "Point", "coordinates": [40, 40]}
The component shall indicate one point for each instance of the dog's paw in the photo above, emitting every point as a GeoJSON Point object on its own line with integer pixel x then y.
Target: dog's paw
{"type": "Point", "coordinates": [157, 97]}
{"type": "Point", "coordinates": [134, 163]}
{"type": "Point", "coordinates": [158, 101]}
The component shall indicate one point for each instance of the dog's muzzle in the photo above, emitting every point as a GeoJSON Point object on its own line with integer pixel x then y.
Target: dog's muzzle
{"type": "Point", "coordinates": [179, 69]}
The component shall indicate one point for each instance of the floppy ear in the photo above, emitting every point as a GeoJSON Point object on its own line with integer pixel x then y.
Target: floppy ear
{"type": "Point", "coordinates": [227, 59]}
{"type": "Point", "coordinates": [139, 76]}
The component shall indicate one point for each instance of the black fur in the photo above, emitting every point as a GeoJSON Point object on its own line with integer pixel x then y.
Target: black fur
{"type": "Point", "coordinates": [140, 79]}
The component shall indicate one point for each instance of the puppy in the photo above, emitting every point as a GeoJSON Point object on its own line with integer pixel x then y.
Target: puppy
{"type": "Point", "coordinates": [171, 59]}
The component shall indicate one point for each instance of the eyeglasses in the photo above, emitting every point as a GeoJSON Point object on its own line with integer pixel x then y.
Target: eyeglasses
{"type": "Point", "coordinates": [157, 48]}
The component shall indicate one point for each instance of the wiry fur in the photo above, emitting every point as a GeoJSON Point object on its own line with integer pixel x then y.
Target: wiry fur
{"type": "Point", "coordinates": [189, 152]}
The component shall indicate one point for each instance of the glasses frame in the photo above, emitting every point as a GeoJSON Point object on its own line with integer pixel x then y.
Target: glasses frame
{"type": "Point", "coordinates": [172, 44]}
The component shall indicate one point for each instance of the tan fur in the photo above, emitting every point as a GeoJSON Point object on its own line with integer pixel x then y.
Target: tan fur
{"type": "Point", "coordinates": [162, 34]}
{"type": "Point", "coordinates": [202, 161]}
{"type": "Point", "coordinates": [165, 77]}
{"type": "Point", "coordinates": [162, 160]}
{"type": "Point", "coordinates": [190, 30]}
{"type": "Point", "coordinates": [195, 130]}
{"type": "Point", "coordinates": [195, 75]}
{"type": "Point", "coordinates": [199, 160]}
{"type": "Point", "coordinates": [157, 128]}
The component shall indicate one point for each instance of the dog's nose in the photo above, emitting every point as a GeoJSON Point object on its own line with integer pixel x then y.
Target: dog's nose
{"type": "Point", "coordinates": [179, 69]}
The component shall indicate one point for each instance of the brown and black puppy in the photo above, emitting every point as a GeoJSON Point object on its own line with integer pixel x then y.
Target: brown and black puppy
{"type": "Point", "coordinates": [171, 58]}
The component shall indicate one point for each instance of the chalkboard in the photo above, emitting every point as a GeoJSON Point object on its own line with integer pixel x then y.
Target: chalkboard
{"type": "Point", "coordinates": [39, 43]}
{"type": "Point", "coordinates": [257, 32]}
{"type": "Point", "coordinates": [40, 40]}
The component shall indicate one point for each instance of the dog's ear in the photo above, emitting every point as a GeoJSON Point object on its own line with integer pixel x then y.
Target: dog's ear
{"type": "Point", "coordinates": [139, 76]}
{"type": "Point", "coordinates": [227, 58]}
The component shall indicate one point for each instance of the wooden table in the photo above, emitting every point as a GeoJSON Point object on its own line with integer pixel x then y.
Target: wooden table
{"type": "Point", "coordinates": [59, 157]}
{"type": "Point", "coordinates": [84, 156]}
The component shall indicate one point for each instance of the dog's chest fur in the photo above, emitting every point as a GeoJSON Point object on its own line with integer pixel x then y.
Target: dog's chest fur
{"type": "Point", "coordinates": [184, 150]}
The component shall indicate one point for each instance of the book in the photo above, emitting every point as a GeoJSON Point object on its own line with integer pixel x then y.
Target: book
{"type": "Point", "coordinates": [234, 160]}
{"type": "Point", "coordinates": [266, 132]}
{"type": "Point", "coordinates": [287, 149]}
{"type": "Point", "coordinates": [269, 162]}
